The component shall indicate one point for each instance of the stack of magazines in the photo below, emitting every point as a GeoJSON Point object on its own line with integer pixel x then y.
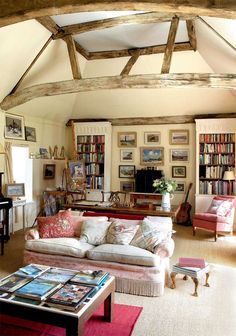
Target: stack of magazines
{"type": "Point", "coordinates": [55, 287]}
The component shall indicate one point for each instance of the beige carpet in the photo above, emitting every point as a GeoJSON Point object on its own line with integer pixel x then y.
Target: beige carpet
{"type": "Point", "coordinates": [177, 313]}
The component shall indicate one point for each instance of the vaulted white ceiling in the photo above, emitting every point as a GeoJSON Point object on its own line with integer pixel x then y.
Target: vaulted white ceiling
{"type": "Point", "coordinates": [21, 42]}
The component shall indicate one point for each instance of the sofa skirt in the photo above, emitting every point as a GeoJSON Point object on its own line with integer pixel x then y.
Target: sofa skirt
{"type": "Point", "coordinates": [130, 279]}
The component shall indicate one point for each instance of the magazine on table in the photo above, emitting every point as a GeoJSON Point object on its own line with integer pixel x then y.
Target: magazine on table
{"type": "Point", "coordinates": [32, 270]}
{"type": "Point", "coordinates": [58, 275]}
{"type": "Point", "coordinates": [70, 296]}
{"type": "Point", "coordinates": [13, 282]}
{"type": "Point", "coordinates": [90, 277]}
{"type": "Point", "coordinates": [25, 300]}
{"type": "Point", "coordinates": [38, 289]}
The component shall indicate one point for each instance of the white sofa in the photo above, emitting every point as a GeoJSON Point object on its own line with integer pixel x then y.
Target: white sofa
{"type": "Point", "coordinates": [137, 270]}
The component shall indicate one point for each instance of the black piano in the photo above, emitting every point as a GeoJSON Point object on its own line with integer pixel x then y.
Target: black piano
{"type": "Point", "coordinates": [5, 206]}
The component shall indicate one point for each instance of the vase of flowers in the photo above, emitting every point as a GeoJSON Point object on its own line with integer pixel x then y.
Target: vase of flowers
{"type": "Point", "coordinates": [165, 187]}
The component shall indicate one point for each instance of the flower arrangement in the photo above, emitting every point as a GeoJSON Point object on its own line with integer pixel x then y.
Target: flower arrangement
{"type": "Point", "coordinates": [164, 186]}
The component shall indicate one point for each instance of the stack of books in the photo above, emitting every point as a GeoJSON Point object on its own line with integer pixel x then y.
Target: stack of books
{"type": "Point", "coordinates": [95, 278]}
{"type": "Point", "coordinates": [194, 267]}
{"type": "Point", "coordinates": [32, 270]}
{"type": "Point", "coordinates": [13, 282]}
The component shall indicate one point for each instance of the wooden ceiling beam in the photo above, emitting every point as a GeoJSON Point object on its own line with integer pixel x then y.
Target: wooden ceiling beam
{"type": "Point", "coordinates": [159, 49]}
{"type": "Point", "coordinates": [186, 80]}
{"type": "Point", "coordinates": [170, 46]}
{"type": "Point", "coordinates": [49, 24]}
{"type": "Point", "coordinates": [133, 59]}
{"type": "Point", "coordinates": [191, 34]}
{"type": "Point", "coordinates": [164, 120]}
{"type": "Point", "coordinates": [73, 57]}
{"type": "Point", "coordinates": [140, 18]}
{"type": "Point", "coordinates": [16, 11]}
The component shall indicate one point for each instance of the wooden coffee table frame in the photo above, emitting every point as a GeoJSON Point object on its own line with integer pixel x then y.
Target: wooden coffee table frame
{"type": "Point", "coordinates": [72, 322]}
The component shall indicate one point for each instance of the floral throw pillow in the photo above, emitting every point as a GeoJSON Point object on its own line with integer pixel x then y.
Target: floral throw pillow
{"type": "Point", "coordinates": [214, 206]}
{"type": "Point", "coordinates": [121, 232]}
{"type": "Point", "coordinates": [59, 225]}
{"type": "Point", "coordinates": [149, 236]}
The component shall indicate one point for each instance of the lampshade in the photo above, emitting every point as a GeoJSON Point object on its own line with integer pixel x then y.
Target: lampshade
{"type": "Point", "coordinates": [229, 175]}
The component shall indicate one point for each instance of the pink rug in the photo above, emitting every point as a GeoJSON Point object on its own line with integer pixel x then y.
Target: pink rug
{"type": "Point", "coordinates": [123, 324]}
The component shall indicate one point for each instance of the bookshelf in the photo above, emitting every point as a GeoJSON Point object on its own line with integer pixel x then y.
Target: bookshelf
{"type": "Point", "coordinates": [215, 154]}
{"type": "Point", "coordinates": [92, 144]}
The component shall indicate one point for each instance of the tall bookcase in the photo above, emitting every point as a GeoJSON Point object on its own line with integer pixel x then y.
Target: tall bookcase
{"type": "Point", "coordinates": [92, 144]}
{"type": "Point", "coordinates": [215, 153]}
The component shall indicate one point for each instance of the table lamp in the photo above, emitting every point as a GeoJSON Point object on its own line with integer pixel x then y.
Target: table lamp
{"type": "Point", "coordinates": [229, 176]}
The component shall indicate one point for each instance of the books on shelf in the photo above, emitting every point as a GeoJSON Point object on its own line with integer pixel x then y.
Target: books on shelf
{"type": "Point", "coordinates": [38, 289]}
{"type": "Point", "coordinates": [31, 270]}
{"type": "Point", "coordinates": [90, 277]}
{"type": "Point", "coordinates": [192, 262]}
{"type": "Point", "coordinates": [13, 282]}
{"type": "Point", "coordinates": [58, 275]}
{"type": "Point", "coordinates": [70, 296]}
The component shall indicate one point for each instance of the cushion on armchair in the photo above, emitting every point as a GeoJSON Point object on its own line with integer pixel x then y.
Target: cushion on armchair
{"type": "Point", "coordinates": [221, 207]}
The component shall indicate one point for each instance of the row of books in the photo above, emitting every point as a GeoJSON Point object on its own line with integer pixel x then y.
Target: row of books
{"type": "Point", "coordinates": [94, 182]}
{"type": "Point", "coordinates": [217, 158]}
{"type": "Point", "coordinates": [56, 287]}
{"type": "Point", "coordinates": [95, 147]}
{"type": "Point", "coordinates": [217, 148]}
{"type": "Point", "coordinates": [94, 168]}
{"type": "Point", "coordinates": [213, 172]}
{"type": "Point", "coordinates": [214, 188]}
{"type": "Point", "coordinates": [90, 139]}
{"type": "Point", "coordinates": [217, 137]}
{"type": "Point", "coordinates": [92, 157]}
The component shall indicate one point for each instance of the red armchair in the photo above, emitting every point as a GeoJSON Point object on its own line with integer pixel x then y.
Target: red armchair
{"type": "Point", "coordinates": [218, 218]}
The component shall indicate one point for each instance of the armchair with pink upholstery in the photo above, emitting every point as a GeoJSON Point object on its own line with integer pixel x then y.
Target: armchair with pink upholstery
{"type": "Point", "coordinates": [218, 218]}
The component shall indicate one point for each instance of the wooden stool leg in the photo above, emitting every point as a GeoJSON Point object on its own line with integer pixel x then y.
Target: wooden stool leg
{"type": "Point", "coordinates": [185, 277]}
{"type": "Point", "coordinates": [207, 277]}
{"type": "Point", "coordinates": [172, 276]}
{"type": "Point", "coordinates": [196, 282]}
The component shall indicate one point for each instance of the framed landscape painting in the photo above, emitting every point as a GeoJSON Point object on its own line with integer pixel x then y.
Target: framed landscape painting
{"type": "Point", "coordinates": [127, 139]}
{"type": "Point", "coordinates": [179, 137]}
{"type": "Point", "coordinates": [152, 138]}
{"type": "Point", "coordinates": [180, 189]}
{"type": "Point", "coordinates": [14, 127]}
{"type": "Point", "coordinates": [179, 171]}
{"type": "Point", "coordinates": [127, 186]}
{"type": "Point", "coordinates": [15, 190]}
{"type": "Point", "coordinates": [179, 155]}
{"type": "Point", "coordinates": [151, 156]}
{"type": "Point", "coordinates": [127, 155]}
{"type": "Point", "coordinates": [126, 171]}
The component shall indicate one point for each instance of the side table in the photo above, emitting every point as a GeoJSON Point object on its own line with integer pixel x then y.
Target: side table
{"type": "Point", "coordinates": [195, 276]}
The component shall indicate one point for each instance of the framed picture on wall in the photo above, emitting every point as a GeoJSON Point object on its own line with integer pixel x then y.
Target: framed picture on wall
{"type": "Point", "coordinates": [151, 156]}
{"type": "Point", "coordinates": [126, 171]}
{"type": "Point", "coordinates": [179, 171]}
{"type": "Point", "coordinates": [49, 171]}
{"type": "Point", "coordinates": [179, 155]}
{"type": "Point", "coordinates": [14, 127]}
{"type": "Point", "coordinates": [181, 186]}
{"type": "Point", "coordinates": [127, 155]}
{"type": "Point", "coordinates": [179, 137]}
{"type": "Point", "coordinates": [127, 139]}
{"type": "Point", "coordinates": [76, 169]}
{"type": "Point", "coordinates": [30, 134]}
{"type": "Point", "coordinates": [152, 138]}
{"type": "Point", "coordinates": [15, 190]}
{"type": "Point", "coordinates": [127, 186]}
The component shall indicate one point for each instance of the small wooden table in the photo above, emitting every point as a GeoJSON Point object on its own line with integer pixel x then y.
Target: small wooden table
{"type": "Point", "coordinates": [136, 211]}
{"type": "Point", "coordinates": [73, 322]}
{"type": "Point", "coordinates": [194, 278]}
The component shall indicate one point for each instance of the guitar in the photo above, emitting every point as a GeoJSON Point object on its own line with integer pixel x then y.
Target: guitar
{"type": "Point", "coordinates": [183, 215]}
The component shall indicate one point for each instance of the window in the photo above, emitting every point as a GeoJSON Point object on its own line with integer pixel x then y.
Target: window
{"type": "Point", "coordinates": [22, 169]}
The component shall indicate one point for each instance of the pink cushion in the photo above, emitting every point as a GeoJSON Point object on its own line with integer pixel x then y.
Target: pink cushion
{"type": "Point", "coordinates": [210, 217]}
{"type": "Point", "coordinates": [60, 225]}
{"type": "Point", "coordinates": [114, 215]}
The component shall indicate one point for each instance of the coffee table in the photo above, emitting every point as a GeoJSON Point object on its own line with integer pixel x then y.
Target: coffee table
{"type": "Point", "coordinates": [73, 322]}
